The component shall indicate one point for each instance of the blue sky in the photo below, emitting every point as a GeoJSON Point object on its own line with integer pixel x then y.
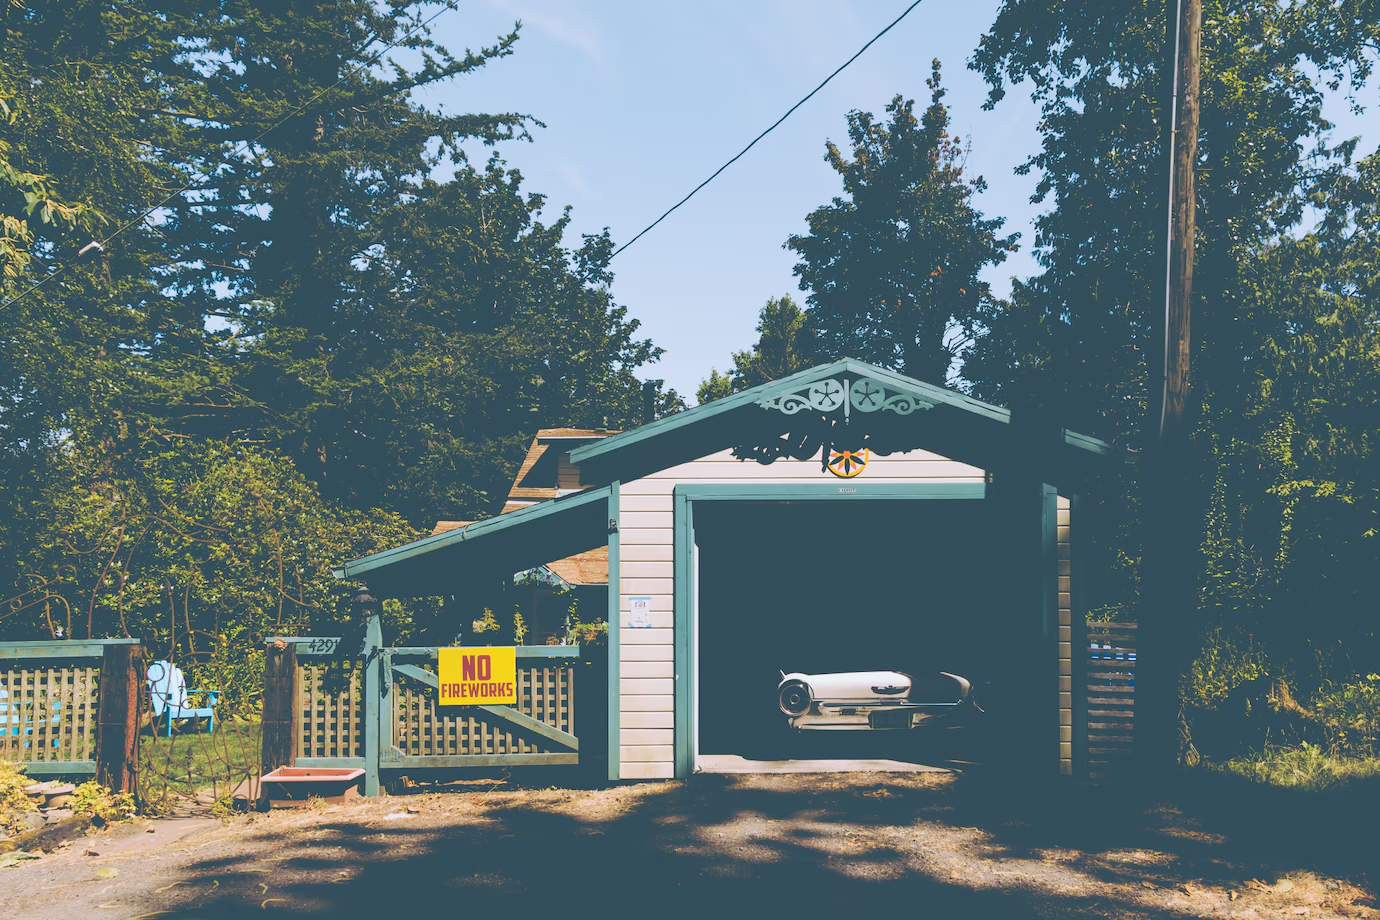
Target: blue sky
{"type": "Point", "coordinates": [642, 101]}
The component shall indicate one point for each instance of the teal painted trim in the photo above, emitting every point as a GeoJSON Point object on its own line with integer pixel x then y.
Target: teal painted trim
{"type": "Point", "coordinates": [1092, 445]}
{"type": "Point", "coordinates": [863, 491]}
{"type": "Point", "coordinates": [387, 703]}
{"type": "Point", "coordinates": [358, 567]}
{"type": "Point", "coordinates": [684, 538]}
{"type": "Point", "coordinates": [615, 621]}
{"type": "Point", "coordinates": [373, 691]}
{"type": "Point", "coordinates": [58, 767]}
{"type": "Point", "coordinates": [349, 763]}
{"type": "Point", "coordinates": [523, 721]}
{"type": "Point", "coordinates": [1049, 564]}
{"type": "Point", "coordinates": [61, 648]}
{"type": "Point", "coordinates": [750, 397]}
{"type": "Point", "coordinates": [522, 651]}
{"type": "Point", "coordinates": [416, 673]}
{"type": "Point", "coordinates": [453, 761]}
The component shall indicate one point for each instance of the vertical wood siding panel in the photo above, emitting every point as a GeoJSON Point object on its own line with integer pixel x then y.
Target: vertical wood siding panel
{"type": "Point", "coordinates": [1065, 663]}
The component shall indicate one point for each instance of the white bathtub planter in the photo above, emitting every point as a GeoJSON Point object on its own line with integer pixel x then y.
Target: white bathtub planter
{"type": "Point", "coordinates": [287, 787]}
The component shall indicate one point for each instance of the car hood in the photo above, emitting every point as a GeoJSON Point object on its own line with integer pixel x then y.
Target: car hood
{"type": "Point", "coordinates": [855, 685]}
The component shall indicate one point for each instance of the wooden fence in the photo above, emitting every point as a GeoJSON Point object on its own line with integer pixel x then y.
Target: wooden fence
{"type": "Point", "coordinates": [52, 711]}
{"type": "Point", "coordinates": [1111, 688]}
{"type": "Point", "coordinates": [378, 710]}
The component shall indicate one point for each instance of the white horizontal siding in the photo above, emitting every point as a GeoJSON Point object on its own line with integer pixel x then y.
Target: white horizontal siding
{"type": "Point", "coordinates": [635, 719]}
{"type": "Point", "coordinates": [647, 668]}
{"type": "Point", "coordinates": [645, 770]}
{"type": "Point", "coordinates": [647, 556]}
{"type": "Point", "coordinates": [645, 552]}
{"type": "Point", "coordinates": [648, 653]}
{"type": "Point", "coordinates": [648, 703]}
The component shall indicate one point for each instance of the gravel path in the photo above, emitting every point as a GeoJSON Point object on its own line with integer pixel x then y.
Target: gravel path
{"type": "Point", "coordinates": [792, 846]}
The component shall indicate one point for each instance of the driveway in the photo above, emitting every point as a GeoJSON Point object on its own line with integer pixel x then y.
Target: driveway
{"type": "Point", "coordinates": [790, 846]}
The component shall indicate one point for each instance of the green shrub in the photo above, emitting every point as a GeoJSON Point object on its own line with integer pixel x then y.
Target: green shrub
{"type": "Point", "coordinates": [1305, 767]}
{"type": "Point", "coordinates": [97, 801]}
{"type": "Point", "coordinates": [1349, 714]}
{"type": "Point", "coordinates": [13, 801]}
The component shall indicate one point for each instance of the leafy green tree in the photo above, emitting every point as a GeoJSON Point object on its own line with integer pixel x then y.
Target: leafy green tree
{"type": "Point", "coordinates": [715, 386]}
{"type": "Point", "coordinates": [1283, 328]}
{"type": "Point", "coordinates": [779, 352]}
{"type": "Point", "coordinates": [892, 269]}
{"type": "Point", "coordinates": [75, 352]}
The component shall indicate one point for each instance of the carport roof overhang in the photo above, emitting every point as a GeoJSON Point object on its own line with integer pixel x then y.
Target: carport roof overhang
{"type": "Point", "coordinates": [934, 418]}
{"type": "Point", "coordinates": [446, 562]}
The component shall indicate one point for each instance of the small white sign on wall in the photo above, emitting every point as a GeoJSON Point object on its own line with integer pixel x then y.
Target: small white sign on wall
{"type": "Point", "coordinates": [640, 614]}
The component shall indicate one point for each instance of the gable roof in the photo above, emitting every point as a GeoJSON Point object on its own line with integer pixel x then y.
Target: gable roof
{"type": "Point", "coordinates": [940, 420]}
{"type": "Point", "coordinates": [513, 542]}
{"type": "Point", "coordinates": [546, 472]}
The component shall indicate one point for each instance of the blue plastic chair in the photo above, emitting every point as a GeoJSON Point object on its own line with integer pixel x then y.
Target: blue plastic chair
{"type": "Point", "coordinates": [168, 694]}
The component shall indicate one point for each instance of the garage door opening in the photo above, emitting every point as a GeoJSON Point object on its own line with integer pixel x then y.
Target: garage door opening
{"type": "Point", "coordinates": [838, 586]}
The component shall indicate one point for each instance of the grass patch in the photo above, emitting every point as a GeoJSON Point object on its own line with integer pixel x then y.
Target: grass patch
{"type": "Point", "coordinates": [194, 761]}
{"type": "Point", "coordinates": [1307, 767]}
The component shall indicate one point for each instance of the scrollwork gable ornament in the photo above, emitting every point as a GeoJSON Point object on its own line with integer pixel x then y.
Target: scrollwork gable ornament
{"type": "Point", "coordinates": [862, 394]}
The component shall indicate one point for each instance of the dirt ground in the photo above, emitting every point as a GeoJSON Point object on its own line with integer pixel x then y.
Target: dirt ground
{"type": "Point", "coordinates": [805, 846]}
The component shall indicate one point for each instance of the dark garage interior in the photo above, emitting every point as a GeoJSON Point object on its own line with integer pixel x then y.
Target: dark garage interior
{"type": "Point", "coordinates": [822, 586]}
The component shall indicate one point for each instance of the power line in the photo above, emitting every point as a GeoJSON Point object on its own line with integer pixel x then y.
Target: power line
{"type": "Point", "coordinates": [243, 147]}
{"type": "Point", "coordinates": [769, 130]}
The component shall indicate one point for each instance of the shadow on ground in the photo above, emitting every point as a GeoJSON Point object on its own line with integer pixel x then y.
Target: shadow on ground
{"type": "Point", "coordinates": [798, 846]}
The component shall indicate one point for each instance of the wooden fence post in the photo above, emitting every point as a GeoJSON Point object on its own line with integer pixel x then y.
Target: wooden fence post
{"type": "Point", "coordinates": [280, 709]}
{"type": "Point", "coordinates": [117, 740]}
{"type": "Point", "coordinates": [373, 691]}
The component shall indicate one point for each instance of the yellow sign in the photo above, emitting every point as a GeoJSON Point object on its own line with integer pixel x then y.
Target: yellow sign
{"type": "Point", "coordinates": [477, 676]}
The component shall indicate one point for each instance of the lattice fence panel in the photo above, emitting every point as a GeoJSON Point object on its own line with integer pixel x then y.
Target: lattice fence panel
{"type": "Point", "coordinates": [48, 714]}
{"type": "Point", "coordinates": [330, 704]}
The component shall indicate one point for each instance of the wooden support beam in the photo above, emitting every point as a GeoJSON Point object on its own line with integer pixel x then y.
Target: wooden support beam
{"type": "Point", "coordinates": [117, 741]}
{"type": "Point", "coordinates": [63, 648]}
{"type": "Point", "coordinates": [451, 761]}
{"type": "Point", "coordinates": [280, 706]}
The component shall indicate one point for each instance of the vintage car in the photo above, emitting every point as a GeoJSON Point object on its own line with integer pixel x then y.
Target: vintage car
{"type": "Point", "coordinates": [863, 700]}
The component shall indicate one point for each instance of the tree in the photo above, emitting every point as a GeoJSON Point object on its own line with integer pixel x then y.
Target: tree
{"type": "Point", "coordinates": [892, 269]}
{"type": "Point", "coordinates": [779, 352]}
{"type": "Point", "coordinates": [1080, 342]}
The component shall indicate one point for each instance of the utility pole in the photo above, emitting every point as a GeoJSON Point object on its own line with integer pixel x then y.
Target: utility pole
{"type": "Point", "coordinates": [1174, 493]}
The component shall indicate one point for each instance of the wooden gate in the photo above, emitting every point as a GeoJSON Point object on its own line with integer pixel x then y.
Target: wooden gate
{"type": "Point", "coordinates": [538, 730]}
{"type": "Point", "coordinates": [377, 710]}
{"type": "Point", "coordinates": [1111, 689]}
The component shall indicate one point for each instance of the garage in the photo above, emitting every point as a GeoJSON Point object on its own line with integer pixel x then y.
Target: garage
{"type": "Point", "coordinates": [845, 518]}
{"type": "Point", "coordinates": [824, 587]}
